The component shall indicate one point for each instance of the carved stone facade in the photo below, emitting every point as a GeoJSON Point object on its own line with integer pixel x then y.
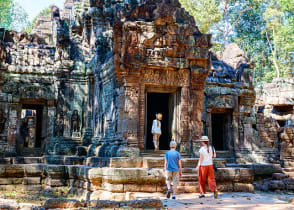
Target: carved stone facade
{"type": "Point", "coordinates": [101, 70]}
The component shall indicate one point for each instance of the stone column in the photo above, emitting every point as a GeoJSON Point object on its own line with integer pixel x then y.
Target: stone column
{"type": "Point", "coordinates": [12, 129]}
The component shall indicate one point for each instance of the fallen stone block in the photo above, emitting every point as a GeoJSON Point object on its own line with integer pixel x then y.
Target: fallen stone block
{"type": "Point", "coordinates": [145, 203]}
{"type": "Point", "coordinates": [266, 169]}
{"type": "Point", "coordinates": [279, 176]}
{"type": "Point", "coordinates": [54, 203]}
{"type": "Point", "coordinates": [276, 185]}
{"type": "Point", "coordinates": [102, 204]}
{"type": "Point", "coordinates": [241, 187]}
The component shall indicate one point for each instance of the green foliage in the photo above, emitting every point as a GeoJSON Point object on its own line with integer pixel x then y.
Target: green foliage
{"type": "Point", "coordinates": [44, 13]}
{"type": "Point", "coordinates": [12, 16]}
{"type": "Point", "coordinates": [262, 28]}
{"type": "Point", "coordinates": [199, 10]}
{"type": "Point", "coordinates": [6, 8]}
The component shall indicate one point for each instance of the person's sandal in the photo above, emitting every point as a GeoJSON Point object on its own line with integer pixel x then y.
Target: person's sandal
{"type": "Point", "coordinates": [201, 196]}
{"type": "Point", "coordinates": [215, 194]}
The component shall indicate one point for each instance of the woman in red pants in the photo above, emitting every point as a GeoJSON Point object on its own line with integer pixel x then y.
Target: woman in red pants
{"type": "Point", "coordinates": [205, 167]}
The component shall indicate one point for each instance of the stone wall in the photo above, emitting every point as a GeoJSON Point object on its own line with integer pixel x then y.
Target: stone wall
{"type": "Point", "coordinates": [121, 180]}
{"type": "Point", "coordinates": [229, 91]}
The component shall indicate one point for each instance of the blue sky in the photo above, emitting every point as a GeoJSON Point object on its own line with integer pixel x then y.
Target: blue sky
{"type": "Point", "coordinates": [33, 7]}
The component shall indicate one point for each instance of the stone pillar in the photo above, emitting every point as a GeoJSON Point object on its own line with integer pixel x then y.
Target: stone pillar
{"type": "Point", "coordinates": [141, 117]}
{"type": "Point", "coordinates": [184, 120]}
{"type": "Point", "coordinates": [130, 126]}
{"type": "Point", "coordinates": [12, 129]}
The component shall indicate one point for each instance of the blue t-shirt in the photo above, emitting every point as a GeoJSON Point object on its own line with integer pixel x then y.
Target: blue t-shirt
{"type": "Point", "coordinates": [172, 158]}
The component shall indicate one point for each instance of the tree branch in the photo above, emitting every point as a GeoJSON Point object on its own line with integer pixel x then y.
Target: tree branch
{"type": "Point", "coordinates": [236, 21]}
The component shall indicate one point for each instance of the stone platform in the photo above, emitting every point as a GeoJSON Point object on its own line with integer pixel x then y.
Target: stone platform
{"type": "Point", "coordinates": [89, 178]}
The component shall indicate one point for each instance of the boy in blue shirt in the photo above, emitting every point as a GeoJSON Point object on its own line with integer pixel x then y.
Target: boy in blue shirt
{"type": "Point", "coordinates": [173, 169]}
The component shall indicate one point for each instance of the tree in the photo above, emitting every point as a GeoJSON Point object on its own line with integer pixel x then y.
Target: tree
{"type": "Point", "coordinates": [6, 8]}
{"type": "Point", "coordinates": [12, 16]}
{"type": "Point", "coordinates": [219, 17]}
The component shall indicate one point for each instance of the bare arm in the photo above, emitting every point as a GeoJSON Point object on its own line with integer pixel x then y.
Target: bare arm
{"type": "Point", "coordinates": [199, 162]}
{"type": "Point", "coordinates": [165, 164]}
{"type": "Point", "coordinates": [180, 167]}
{"type": "Point", "coordinates": [214, 153]}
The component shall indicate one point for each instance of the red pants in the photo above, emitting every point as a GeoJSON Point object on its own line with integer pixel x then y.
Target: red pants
{"type": "Point", "coordinates": [206, 172]}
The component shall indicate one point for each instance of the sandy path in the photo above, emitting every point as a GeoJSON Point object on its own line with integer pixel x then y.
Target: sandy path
{"type": "Point", "coordinates": [238, 201]}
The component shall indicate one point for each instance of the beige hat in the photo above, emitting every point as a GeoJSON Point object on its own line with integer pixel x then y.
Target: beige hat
{"type": "Point", "coordinates": [203, 138]}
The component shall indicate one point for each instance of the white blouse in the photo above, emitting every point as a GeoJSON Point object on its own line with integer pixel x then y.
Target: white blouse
{"type": "Point", "coordinates": [156, 127]}
{"type": "Point", "coordinates": [207, 157]}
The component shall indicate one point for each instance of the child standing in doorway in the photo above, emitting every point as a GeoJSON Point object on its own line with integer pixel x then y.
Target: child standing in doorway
{"type": "Point", "coordinates": [156, 131]}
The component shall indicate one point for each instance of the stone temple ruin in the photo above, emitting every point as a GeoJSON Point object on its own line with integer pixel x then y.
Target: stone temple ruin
{"type": "Point", "coordinates": [81, 91]}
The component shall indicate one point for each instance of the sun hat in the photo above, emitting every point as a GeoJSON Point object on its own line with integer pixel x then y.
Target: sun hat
{"type": "Point", "coordinates": [203, 138]}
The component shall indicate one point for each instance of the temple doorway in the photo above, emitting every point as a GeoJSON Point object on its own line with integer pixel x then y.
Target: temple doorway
{"type": "Point", "coordinates": [221, 130]}
{"type": "Point", "coordinates": [31, 125]}
{"type": "Point", "coordinates": [158, 103]}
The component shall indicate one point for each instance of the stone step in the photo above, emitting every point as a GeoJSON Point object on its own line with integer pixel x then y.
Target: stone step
{"type": "Point", "coordinates": [188, 183]}
{"type": "Point", "coordinates": [157, 162]}
{"type": "Point", "coordinates": [28, 160]}
{"type": "Point", "coordinates": [189, 178]}
{"type": "Point", "coordinates": [31, 152]}
{"type": "Point", "coordinates": [288, 169]}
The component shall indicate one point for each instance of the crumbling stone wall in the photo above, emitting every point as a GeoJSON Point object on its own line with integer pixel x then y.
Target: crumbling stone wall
{"type": "Point", "coordinates": [274, 107]}
{"type": "Point", "coordinates": [229, 90]}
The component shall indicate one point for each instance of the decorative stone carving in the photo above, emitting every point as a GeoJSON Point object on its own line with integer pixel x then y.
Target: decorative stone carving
{"type": "Point", "coordinates": [168, 77]}
{"type": "Point", "coordinates": [75, 121]}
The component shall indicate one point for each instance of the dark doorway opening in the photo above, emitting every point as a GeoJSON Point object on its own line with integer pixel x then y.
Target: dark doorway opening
{"type": "Point", "coordinates": [158, 103]}
{"type": "Point", "coordinates": [221, 132]}
{"type": "Point", "coordinates": [31, 125]}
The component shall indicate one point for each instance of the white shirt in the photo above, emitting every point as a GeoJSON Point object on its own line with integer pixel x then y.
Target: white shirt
{"type": "Point", "coordinates": [207, 157]}
{"type": "Point", "coordinates": [156, 127]}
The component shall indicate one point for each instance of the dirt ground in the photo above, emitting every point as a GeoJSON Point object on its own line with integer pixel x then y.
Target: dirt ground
{"type": "Point", "coordinates": [258, 200]}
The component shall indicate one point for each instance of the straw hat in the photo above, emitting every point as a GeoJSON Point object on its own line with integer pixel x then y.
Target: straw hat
{"type": "Point", "coordinates": [203, 138]}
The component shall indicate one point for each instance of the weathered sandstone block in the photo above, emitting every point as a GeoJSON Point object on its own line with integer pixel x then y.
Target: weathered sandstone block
{"type": "Point", "coordinates": [54, 203]}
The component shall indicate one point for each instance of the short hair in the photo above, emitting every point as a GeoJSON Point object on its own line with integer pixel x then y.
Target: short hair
{"type": "Point", "coordinates": [173, 144]}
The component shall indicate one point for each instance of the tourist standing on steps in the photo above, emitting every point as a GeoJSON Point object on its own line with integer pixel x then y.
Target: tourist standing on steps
{"type": "Point", "coordinates": [205, 167]}
{"type": "Point", "coordinates": [173, 169]}
{"type": "Point", "coordinates": [156, 131]}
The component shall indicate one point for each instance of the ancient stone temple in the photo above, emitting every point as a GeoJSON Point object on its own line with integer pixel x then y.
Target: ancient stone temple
{"type": "Point", "coordinates": [79, 94]}
{"type": "Point", "coordinates": [228, 115]}
{"type": "Point", "coordinates": [104, 71]}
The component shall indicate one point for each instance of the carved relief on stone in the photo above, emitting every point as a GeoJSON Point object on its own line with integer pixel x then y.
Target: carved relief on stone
{"type": "Point", "coordinates": [75, 121]}
{"type": "Point", "coordinates": [165, 77]}
{"type": "Point", "coordinates": [59, 125]}
{"type": "Point", "coordinates": [131, 101]}
{"type": "Point", "coordinates": [2, 120]}
{"type": "Point", "coordinates": [31, 91]}
{"type": "Point", "coordinates": [220, 101]}
{"type": "Point", "coordinates": [10, 87]}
